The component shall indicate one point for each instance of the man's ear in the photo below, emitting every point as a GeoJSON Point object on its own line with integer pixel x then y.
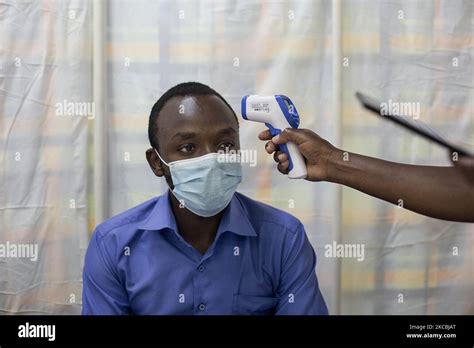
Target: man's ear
{"type": "Point", "coordinates": [154, 162]}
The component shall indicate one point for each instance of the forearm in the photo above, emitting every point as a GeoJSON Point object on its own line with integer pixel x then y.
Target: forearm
{"type": "Point", "coordinates": [439, 192]}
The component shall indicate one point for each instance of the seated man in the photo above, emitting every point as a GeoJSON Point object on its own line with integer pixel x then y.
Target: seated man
{"type": "Point", "coordinates": [200, 248]}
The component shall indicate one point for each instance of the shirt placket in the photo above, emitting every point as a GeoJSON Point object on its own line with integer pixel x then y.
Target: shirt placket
{"type": "Point", "coordinates": [202, 282]}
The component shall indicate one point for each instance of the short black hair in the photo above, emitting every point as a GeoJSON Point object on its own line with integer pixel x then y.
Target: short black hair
{"type": "Point", "coordinates": [182, 89]}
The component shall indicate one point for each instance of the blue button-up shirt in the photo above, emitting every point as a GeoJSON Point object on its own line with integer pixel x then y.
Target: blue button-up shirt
{"type": "Point", "coordinates": [260, 262]}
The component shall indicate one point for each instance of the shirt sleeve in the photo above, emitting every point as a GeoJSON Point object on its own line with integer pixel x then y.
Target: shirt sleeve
{"type": "Point", "coordinates": [102, 293]}
{"type": "Point", "coordinates": [298, 289]}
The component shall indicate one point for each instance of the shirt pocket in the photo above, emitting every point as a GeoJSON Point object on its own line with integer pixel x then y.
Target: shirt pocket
{"type": "Point", "coordinates": [254, 305]}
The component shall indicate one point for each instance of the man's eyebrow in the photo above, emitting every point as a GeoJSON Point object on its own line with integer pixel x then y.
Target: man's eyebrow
{"type": "Point", "coordinates": [184, 135]}
{"type": "Point", "coordinates": [191, 135]}
{"type": "Point", "coordinates": [228, 130]}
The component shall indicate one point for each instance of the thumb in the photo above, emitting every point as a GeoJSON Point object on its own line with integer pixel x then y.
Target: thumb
{"type": "Point", "coordinates": [296, 136]}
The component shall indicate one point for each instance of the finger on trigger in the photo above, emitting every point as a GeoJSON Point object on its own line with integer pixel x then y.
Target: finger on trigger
{"type": "Point", "coordinates": [270, 147]}
{"type": "Point", "coordinates": [275, 156]}
{"type": "Point", "coordinates": [282, 157]}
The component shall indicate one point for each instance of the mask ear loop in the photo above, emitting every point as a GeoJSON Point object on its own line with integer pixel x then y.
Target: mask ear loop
{"type": "Point", "coordinates": [162, 160]}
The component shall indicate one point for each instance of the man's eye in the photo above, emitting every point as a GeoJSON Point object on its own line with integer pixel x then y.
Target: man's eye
{"type": "Point", "coordinates": [186, 148]}
{"type": "Point", "coordinates": [227, 146]}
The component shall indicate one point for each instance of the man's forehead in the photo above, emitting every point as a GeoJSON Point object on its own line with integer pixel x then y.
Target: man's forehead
{"type": "Point", "coordinates": [180, 111]}
{"type": "Point", "coordinates": [191, 104]}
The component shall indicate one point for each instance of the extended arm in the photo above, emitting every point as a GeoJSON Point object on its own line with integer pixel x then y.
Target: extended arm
{"type": "Point", "coordinates": [440, 192]}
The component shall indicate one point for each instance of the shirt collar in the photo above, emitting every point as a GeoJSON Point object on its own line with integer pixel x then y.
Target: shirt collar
{"type": "Point", "coordinates": [161, 216]}
{"type": "Point", "coordinates": [235, 217]}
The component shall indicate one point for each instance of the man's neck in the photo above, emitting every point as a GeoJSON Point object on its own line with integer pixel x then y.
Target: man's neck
{"type": "Point", "coordinates": [198, 231]}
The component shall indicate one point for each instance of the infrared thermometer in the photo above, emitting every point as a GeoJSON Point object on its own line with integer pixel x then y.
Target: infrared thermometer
{"type": "Point", "coordinates": [277, 112]}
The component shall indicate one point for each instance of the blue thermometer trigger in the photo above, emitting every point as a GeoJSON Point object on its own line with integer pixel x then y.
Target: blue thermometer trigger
{"type": "Point", "coordinates": [281, 147]}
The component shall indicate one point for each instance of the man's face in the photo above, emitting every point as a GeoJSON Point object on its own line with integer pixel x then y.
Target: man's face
{"type": "Point", "coordinates": [192, 126]}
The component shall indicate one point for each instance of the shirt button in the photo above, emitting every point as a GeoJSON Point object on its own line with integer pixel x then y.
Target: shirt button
{"type": "Point", "coordinates": [201, 268]}
{"type": "Point", "coordinates": [202, 307]}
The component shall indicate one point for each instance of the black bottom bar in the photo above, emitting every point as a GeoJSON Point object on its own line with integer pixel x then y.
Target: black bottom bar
{"type": "Point", "coordinates": [291, 331]}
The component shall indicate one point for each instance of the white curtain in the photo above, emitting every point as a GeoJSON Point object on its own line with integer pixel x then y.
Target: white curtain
{"type": "Point", "coordinates": [407, 51]}
{"type": "Point", "coordinates": [237, 47]}
{"type": "Point", "coordinates": [45, 50]}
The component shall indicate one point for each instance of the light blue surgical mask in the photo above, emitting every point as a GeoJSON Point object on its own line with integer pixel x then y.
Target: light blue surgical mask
{"type": "Point", "coordinates": [205, 185]}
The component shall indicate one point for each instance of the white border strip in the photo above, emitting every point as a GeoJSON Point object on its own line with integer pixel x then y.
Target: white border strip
{"type": "Point", "coordinates": [99, 81]}
{"type": "Point", "coordinates": [337, 119]}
